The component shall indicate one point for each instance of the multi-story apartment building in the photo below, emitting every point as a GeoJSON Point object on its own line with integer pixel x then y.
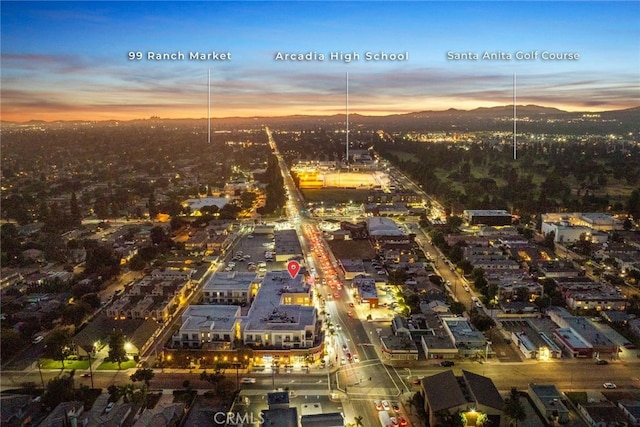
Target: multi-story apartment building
{"type": "Point", "coordinates": [230, 288]}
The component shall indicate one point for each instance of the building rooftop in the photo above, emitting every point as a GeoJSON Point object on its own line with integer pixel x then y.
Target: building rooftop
{"type": "Point", "coordinates": [585, 328]}
{"type": "Point", "coordinates": [352, 265]}
{"type": "Point", "coordinates": [230, 280]}
{"type": "Point", "coordinates": [287, 243]}
{"type": "Point", "coordinates": [280, 417]}
{"type": "Point", "coordinates": [487, 212]}
{"type": "Point", "coordinates": [366, 287]}
{"type": "Point", "coordinates": [212, 317]}
{"type": "Point", "coordinates": [269, 311]}
{"type": "Point", "coordinates": [483, 390]}
{"type": "Point", "coordinates": [575, 341]}
{"type": "Point", "coordinates": [381, 226]}
{"type": "Point", "coordinates": [442, 391]}
{"type": "Point", "coordinates": [399, 343]}
{"type": "Point", "coordinates": [463, 332]}
{"type": "Point", "coordinates": [197, 204]}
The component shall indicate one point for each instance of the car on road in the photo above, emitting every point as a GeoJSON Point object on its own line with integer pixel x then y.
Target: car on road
{"type": "Point", "coordinates": [351, 304]}
{"type": "Point", "coordinates": [109, 407]}
{"type": "Point", "coordinates": [478, 304]}
{"type": "Point", "coordinates": [378, 405]}
{"type": "Point", "coordinates": [602, 362]}
{"type": "Point", "coordinates": [447, 363]}
{"type": "Point", "coordinates": [395, 406]}
{"type": "Point", "coordinates": [87, 375]}
{"type": "Point", "coordinates": [248, 381]}
{"type": "Point", "coordinates": [402, 421]}
{"type": "Point", "coordinates": [356, 359]}
{"type": "Point", "coordinates": [385, 405]}
{"type": "Point", "coordinates": [466, 288]}
{"type": "Point", "coordinates": [37, 339]}
{"type": "Point", "coordinates": [609, 385]}
{"type": "Point", "coordinates": [350, 313]}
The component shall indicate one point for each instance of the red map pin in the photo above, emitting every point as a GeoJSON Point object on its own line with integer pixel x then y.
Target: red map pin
{"type": "Point", "coordinates": [294, 268]}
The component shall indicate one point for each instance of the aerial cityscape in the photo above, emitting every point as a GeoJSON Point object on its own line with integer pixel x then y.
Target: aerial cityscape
{"type": "Point", "coordinates": [303, 214]}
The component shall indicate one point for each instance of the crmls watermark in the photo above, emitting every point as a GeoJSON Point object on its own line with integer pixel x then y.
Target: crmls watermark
{"type": "Point", "coordinates": [237, 419]}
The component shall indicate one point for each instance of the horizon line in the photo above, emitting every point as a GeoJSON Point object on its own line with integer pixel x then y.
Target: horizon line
{"type": "Point", "coordinates": [153, 117]}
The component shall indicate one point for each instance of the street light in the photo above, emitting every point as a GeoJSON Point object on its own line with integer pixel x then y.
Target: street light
{"type": "Point", "coordinates": [40, 370]}
{"type": "Point", "coordinates": [237, 366]}
{"type": "Point", "coordinates": [486, 351]}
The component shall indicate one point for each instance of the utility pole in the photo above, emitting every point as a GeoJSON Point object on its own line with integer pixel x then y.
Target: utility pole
{"type": "Point", "coordinates": [40, 371]}
{"type": "Point", "coordinates": [90, 370]}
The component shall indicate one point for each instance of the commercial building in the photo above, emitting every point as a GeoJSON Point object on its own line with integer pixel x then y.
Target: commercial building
{"type": "Point", "coordinates": [469, 341]}
{"type": "Point", "coordinates": [282, 315]}
{"type": "Point", "coordinates": [398, 347]}
{"type": "Point", "coordinates": [435, 340]}
{"type": "Point", "coordinates": [593, 220]}
{"type": "Point", "coordinates": [366, 290]}
{"type": "Point", "coordinates": [287, 245]}
{"type": "Point", "coordinates": [578, 337]}
{"type": "Point", "coordinates": [384, 230]}
{"type": "Point", "coordinates": [487, 217]}
{"type": "Point", "coordinates": [351, 267]}
{"type": "Point", "coordinates": [549, 402]}
{"type": "Point", "coordinates": [565, 232]}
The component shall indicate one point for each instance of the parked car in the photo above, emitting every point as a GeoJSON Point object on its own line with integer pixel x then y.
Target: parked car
{"type": "Point", "coordinates": [248, 381]}
{"type": "Point", "coordinates": [447, 363]}
{"type": "Point", "coordinates": [602, 362]}
{"type": "Point", "coordinates": [109, 407]}
{"type": "Point", "coordinates": [609, 385]}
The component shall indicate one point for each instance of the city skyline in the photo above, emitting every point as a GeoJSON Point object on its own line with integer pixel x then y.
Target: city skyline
{"type": "Point", "coordinates": [69, 61]}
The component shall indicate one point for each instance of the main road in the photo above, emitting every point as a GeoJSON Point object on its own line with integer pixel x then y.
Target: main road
{"type": "Point", "coordinates": [385, 381]}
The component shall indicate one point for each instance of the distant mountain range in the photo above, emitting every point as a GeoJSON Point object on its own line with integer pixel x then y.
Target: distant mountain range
{"type": "Point", "coordinates": [531, 118]}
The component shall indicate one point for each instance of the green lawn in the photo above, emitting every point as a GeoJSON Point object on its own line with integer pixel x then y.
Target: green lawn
{"type": "Point", "coordinates": [68, 364]}
{"type": "Point", "coordinates": [110, 366]}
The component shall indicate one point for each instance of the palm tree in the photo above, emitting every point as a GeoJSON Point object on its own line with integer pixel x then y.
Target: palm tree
{"type": "Point", "coordinates": [513, 408]}
{"type": "Point", "coordinates": [358, 421]}
{"type": "Point", "coordinates": [126, 391]}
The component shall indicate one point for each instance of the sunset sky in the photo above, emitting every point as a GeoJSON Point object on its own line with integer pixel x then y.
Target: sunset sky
{"type": "Point", "coordinates": [69, 60]}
